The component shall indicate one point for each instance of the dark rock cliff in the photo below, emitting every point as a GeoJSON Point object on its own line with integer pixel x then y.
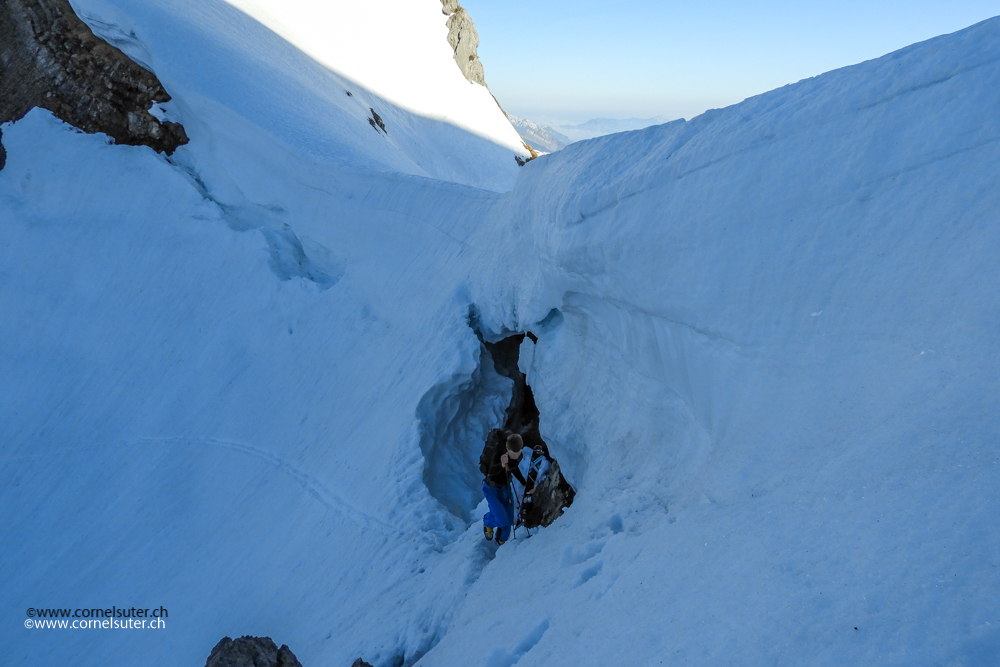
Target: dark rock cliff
{"type": "Point", "coordinates": [49, 58]}
{"type": "Point", "coordinates": [251, 652]}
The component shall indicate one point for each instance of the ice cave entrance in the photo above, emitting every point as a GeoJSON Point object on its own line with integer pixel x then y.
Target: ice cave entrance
{"type": "Point", "coordinates": [457, 416]}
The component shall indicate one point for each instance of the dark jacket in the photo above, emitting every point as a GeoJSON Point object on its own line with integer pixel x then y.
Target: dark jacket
{"type": "Point", "coordinates": [497, 475]}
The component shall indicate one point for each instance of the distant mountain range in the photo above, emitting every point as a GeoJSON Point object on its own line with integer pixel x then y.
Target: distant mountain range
{"type": "Point", "coordinates": [597, 127]}
{"type": "Point", "coordinates": [542, 138]}
{"type": "Point", "coordinates": [547, 139]}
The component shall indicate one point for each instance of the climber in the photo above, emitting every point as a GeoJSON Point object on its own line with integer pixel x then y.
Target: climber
{"type": "Point", "coordinates": [497, 463]}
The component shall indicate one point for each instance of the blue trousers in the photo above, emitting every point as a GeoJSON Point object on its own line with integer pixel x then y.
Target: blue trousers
{"type": "Point", "coordinates": [501, 510]}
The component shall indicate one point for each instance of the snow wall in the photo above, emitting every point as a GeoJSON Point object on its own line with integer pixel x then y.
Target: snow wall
{"type": "Point", "coordinates": [766, 359]}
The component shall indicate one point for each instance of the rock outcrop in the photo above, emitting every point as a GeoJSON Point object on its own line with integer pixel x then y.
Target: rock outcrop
{"type": "Point", "coordinates": [50, 58]}
{"type": "Point", "coordinates": [464, 41]}
{"type": "Point", "coordinates": [251, 652]}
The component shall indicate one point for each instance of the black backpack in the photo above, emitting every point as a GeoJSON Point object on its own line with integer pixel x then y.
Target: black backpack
{"type": "Point", "coordinates": [493, 440]}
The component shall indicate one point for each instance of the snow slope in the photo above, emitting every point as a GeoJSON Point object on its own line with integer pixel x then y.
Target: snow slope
{"type": "Point", "coordinates": [218, 62]}
{"type": "Point", "coordinates": [398, 48]}
{"type": "Point", "coordinates": [242, 384]}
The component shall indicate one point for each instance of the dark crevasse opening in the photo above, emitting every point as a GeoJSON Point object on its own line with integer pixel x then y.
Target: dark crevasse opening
{"type": "Point", "coordinates": [459, 415]}
{"type": "Point", "coordinates": [551, 492]}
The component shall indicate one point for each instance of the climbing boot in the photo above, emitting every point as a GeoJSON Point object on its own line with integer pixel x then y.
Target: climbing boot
{"type": "Point", "coordinates": [500, 542]}
{"type": "Point", "coordinates": [488, 532]}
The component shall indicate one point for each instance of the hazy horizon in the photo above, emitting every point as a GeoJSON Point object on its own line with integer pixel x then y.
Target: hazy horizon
{"type": "Point", "coordinates": [557, 62]}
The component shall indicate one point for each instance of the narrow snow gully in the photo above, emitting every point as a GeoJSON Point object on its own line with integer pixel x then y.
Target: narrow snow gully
{"type": "Point", "coordinates": [552, 493]}
{"type": "Point", "coordinates": [457, 416]}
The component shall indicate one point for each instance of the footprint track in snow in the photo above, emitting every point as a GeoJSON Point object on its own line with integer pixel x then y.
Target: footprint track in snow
{"type": "Point", "coordinates": [313, 486]}
{"type": "Point", "coordinates": [589, 573]}
{"type": "Point", "coordinates": [504, 658]}
{"type": "Point", "coordinates": [571, 557]}
{"type": "Point", "coordinates": [327, 497]}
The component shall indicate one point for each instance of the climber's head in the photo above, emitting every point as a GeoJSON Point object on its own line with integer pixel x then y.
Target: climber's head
{"type": "Point", "coordinates": [514, 445]}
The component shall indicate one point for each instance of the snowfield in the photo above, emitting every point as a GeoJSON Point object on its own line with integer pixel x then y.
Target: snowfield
{"type": "Point", "coordinates": [242, 384]}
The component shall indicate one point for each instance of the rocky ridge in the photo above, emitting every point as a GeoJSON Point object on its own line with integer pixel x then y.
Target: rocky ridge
{"type": "Point", "coordinates": [464, 41]}
{"type": "Point", "coordinates": [51, 59]}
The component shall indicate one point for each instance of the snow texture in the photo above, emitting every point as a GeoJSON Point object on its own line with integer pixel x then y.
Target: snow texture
{"type": "Point", "coordinates": [766, 359]}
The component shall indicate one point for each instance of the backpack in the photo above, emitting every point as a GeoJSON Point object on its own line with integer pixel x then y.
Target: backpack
{"type": "Point", "coordinates": [493, 441]}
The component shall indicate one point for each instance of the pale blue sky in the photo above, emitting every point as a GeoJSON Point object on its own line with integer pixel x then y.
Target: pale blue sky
{"type": "Point", "coordinates": [577, 59]}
